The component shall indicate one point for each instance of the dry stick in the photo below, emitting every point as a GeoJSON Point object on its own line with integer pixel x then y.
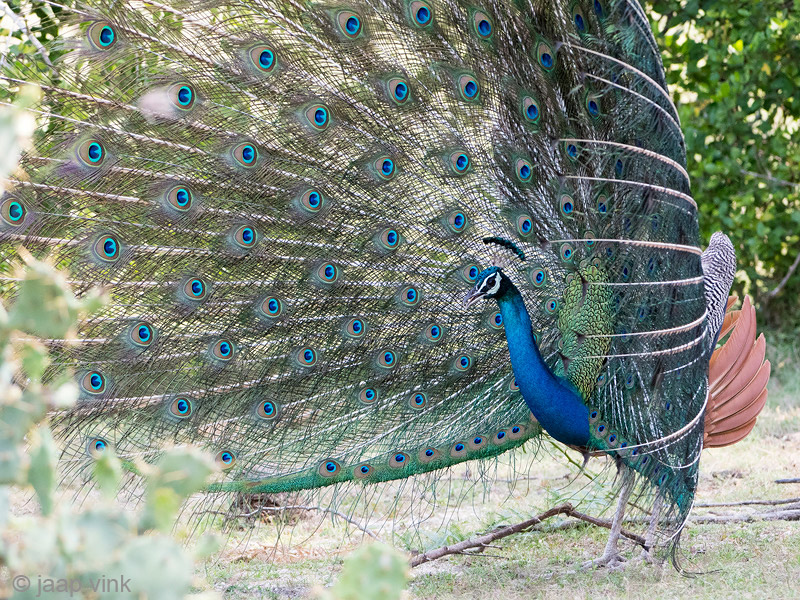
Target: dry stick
{"type": "Point", "coordinates": [748, 502]}
{"type": "Point", "coordinates": [483, 541]}
{"type": "Point", "coordinates": [792, 480]}
{"type": "Point", "coordinates": [773, 515]}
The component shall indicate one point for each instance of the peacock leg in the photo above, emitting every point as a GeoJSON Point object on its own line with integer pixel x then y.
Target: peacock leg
{"type": "Point", "coordinates": [649, 538]}
{"type": "Point", "coordinates": [611, 557]}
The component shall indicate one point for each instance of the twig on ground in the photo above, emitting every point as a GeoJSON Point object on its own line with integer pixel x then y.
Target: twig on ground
{"type": "Point", "coordinates": [748, 503]}
{"type": "Point", "coordinates": [792, 480]}
{"type": "Point", "coordinates": [772, 515]}
{"type": "Point", "coordinates": [481, 542]}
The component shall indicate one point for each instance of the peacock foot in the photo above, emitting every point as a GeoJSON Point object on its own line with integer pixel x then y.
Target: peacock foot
{"type": "Point", "coordinates": [613, 561]}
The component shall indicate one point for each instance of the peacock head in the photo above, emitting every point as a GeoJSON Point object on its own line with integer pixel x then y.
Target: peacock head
{"type": "Point", "coordinates": [492, 283]}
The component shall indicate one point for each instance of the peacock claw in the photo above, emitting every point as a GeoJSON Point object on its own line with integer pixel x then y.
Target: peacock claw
{"type": "Point", "coordinates": [611, 561]}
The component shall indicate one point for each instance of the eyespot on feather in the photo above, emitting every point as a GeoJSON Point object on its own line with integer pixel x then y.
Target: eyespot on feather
{"type": "Point", "coordinates": [13, 211]}
{"type": "Point", "coordinates": [421, 14]}
{"type": "Point", "coordinates": [477, 442]}
{"type": "Point", "coordinates": [482, 25]}
{"type": "Point", "coordinates": [225, 459]}
{"type": "Point", "coordinates": [102, 35]}
{"type": "Point", "coordinates": [386, 359]}
{"type": "Point", "coordinates": [524, 170]}
{"type": "Point", "coordinates": [470, 273]}
{"type": "Point", "coordinates": [409, 296]}
{"type": "Point", "coordinates": [245, 154]}
{"type": "Point", "coordinates": [458, 450]}
{"type": "Point", "coordinates": [388, 239]}
{"type": "Point", "coordinates": [524, 225]}
{"type": "Point", "coordinates": [329, 468]}
{"type": "Point", "coordinates": [141, 334]}
{"type": "Point", "coordinates": [107, 248]}
{"type": "Point", "coordinates": [457, 221]}
{"type": "Point", "coordinates": [307, 357]}
{"type": "Point", "coordinates": [495, 320]}
{"type": "Point", "coordinates": [327, 273]}
{"type": "Point", "coordinates": [263, 58]}
{"type": "Point", "coordinates": [434, 333]}
{"type": "Point", "coordinates": [270, 307]}
{"type": "Point", "coordinates": [538, 276]}
{"type": "Point", "coordinates": [462, 363]}
{"type": "Point", "coordinates": [362, 471]}
{"type": "Point", "coordinates": [567, 252]}
{"type": "Point", "coordinates": [459, 162]}
{"type": "Point", "coordinates": [222, 350]}
{"type": "Point", "coordinates": [546, 56]}
{"type": "Point", "coordinates": [318, 116]}
{"type": "Point", "coordinates": [368, 395]}
{"type": "Point", "coordinates": [428, 455]}
{"type": "Point", "coordinates": [93, 382]}
{"type": "Point", "coordinates": [512, 385]}
{"type": "Point", "coordinates": [267, 409]}
{"type": "Point", "coordinates": [181, 407]}
{"type": "Point", "coordinates": [179, 197]}
{"type": "Point", "coordinates": [195, 289]}
{"type": "Point", "coordinates": [385, 168]}
{"type": "Point", "coordinates": [417, 400]}
{"type": "Point", "coordinates": [350, 24]}
{"type": "Point", "coordinates": [399, 90]}
{"type": "Point", "coordinates": [97, 446]}
{"type": "Point", "coordinates": [245, 236]}
{"type": "Point", "coordinates": [91, 153]}
{"type": "Point", "coordinates": [468, 88]}
{"type": "Point", "coordinates": [182, 95]}
{"type": "Point", "coordinates": [355, 328]}
{"type": "Point", "coordinates": [312, 201]}
{"type": "Point", "coordinates": [530, 110]}
{"type": "Point", "coordinates": [516, 432]}
{"type": "Point", "coordinates": [398, 460]}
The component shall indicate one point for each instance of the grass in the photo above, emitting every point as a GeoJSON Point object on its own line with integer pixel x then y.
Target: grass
{"type": "Point", "coordinates": [746, 560]}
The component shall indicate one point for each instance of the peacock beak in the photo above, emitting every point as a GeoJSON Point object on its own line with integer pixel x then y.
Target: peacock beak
{"type": "Point", "coordinates": [473, 296]}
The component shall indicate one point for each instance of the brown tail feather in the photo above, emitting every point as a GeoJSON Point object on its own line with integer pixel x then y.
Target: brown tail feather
{"type": "Point", "coordinates": [737, 376]}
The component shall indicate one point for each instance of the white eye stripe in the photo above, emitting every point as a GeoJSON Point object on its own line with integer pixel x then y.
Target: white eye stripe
{"type": "Point", "coordinates": [494, 283]}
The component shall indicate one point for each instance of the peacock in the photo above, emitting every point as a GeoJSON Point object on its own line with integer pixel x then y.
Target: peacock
{"type": "Point", "coordinates": [360, 241]}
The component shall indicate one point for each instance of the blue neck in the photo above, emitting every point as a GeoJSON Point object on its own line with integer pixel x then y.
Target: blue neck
{"type": "Point", "coordinates": [554, 402]}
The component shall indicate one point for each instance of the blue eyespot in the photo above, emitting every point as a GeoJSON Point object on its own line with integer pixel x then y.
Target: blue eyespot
{"type": "Point", "coordinates": [365, 469]}
{"type": "Point", "coordinates": [524, 170]}
{"type": "Point", "coordinates": [459, 162]}
{"type": "Point", "coordinates": [515, 429]}
{"type": "Point", "coordinates": [141, 334]}
{"type": "Point", "coordinates": [398, 90]}
{"type": "Point", "coordinates": [12, 211]}
{"type": "Point", "coordinates": [429, 452]}
{"type": "Point", "coordinates": [457, 221]}
{"type": "Point", "coordinates": [572, 151]}
{"type": "Point", "coordinates": [593, 107]}
{"type": "Point", "coordinates": [598, 8]}
{"type": "Point", "coordinates": [307, 357]}
{"type": "Point", "coordinates": [223, 350]}
{"type": "Point", "coordinates": [409, 296]}
{"type": "Point", "coordinates": [398, 460]}
{"type": "Point", "coordinates": [93, 382]}
{"type": "Point", "coordinates": [421, 14]}
{"type": "Point", "coordinates": [567, 252]}
{"type": "Point", "coordinates": [580, 24]}
{"type": "Point", "coordinates": [387, 359]}
{"type": "Point", "coordinates": [195, 289]}
{"type": "Point", "coordinates": [327, 273]}
{"type": "Point", "coordinates": [185, 95]}
{"type": "Point", "coordinates": [472, 273]}
{"type": "Point", "coordinates": [101, 35]}
{"type": "Point", "coordinates": [524, 225]}
{"type": "Point", "coordinates": [329, 468]}
{"type": "Point", "coordinates": [500, 435]}
{"type": "Point", "coordinates": [530, 110]}
{"type": "Point", "coordinates": [91, 153]}
{"type": "Point", "coordinates": [96, 447]}
{"type": "Point", "coordinates": [418, 400]}
{"type": "Point", "coordinates": [266, 59]}
{"type": "Point", "coordinates": [107, 248]}
{"type": "Point", "coordinates": [245, 154]}
{"type": "Point", "coordinates": [462, 363]}
{"type": "Point", "coordinates": [368, 395]}
{"type": "Point", "coordinates": [350, 24]}
{"type": "Point", "coordinates": [433, 333]}
{"type": "Point", "coordinates": [468, 87]}
{"type": "Point", "coordinates": [385, 168]}
{"type": "Point", "coordinates": [482, 24]}
{"type": "Point", "coordinates": [618, 167]}
{"type": "Point", "coordinates": [538, 277]}
{"type": "Point", "coordinates": [551, 305]}
{"type": "Point", "coordinates": [458, 447]}
{"type": "Point", "coordinates": [318, 116]}
{"type": "Point", "coordinates": [355, 328]}
{"type": "Point", "coordinates": [181, 407]}
{"type": "Point", "coordinates": [546, 56]}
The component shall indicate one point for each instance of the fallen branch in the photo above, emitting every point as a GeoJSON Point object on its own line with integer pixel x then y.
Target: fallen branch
{"type": "Point", "coordinates": [792, 480]}
{"type": "Point", "coordinates": [772, 515]}
{"type": "Point", "coordinates": [482, 542]}
{"type": "Point", "coordinates": [749, 502]}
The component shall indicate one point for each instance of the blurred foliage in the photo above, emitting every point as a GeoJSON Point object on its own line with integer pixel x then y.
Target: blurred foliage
{"type": "Point", "coordinates": [733, 67]}
{"type": "Point", "coordinates": [373, 572]}
{"type": "Point", "coordinates": [59, 550]}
